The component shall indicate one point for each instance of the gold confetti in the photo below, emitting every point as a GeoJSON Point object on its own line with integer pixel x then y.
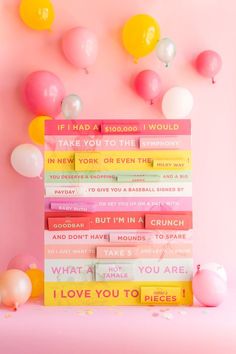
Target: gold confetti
{"type": "Point", "coordinates": [164, 310]}
{"type": "Point", "coordinates": [7, 315]}
{"type": "Point", "coordinates": [89, 312]}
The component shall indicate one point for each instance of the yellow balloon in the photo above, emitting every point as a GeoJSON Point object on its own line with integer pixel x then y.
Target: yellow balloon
{"type": "Point", "coordinates": [37, 279]}
{"type": "Point", "coordinates": [37, 14]}
{"type": "Point", "coordinates": [36, 129]}
{"type": "Point", "coordinates": [140, 35]}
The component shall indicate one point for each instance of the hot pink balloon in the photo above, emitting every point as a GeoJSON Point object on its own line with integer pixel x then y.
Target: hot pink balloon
{"type": "Point", "coordinates": [148, 85]}
{"type": "Point", "coordinates": [208, 64]}
{"type": "Point", "coordinates": [23, 262]}
{"type": "Point", "coordinates": [15, 288]}
{"type": "Point", "coordinates": [80, 47]}
{"type": "Point", "coordinates": [44, 93]}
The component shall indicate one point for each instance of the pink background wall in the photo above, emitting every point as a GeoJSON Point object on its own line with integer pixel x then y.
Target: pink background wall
{"type": "Point", "coordinates": [107, 93]}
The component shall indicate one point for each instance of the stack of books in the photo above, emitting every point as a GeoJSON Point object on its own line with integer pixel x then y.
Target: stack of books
{"type": "Point", "coordinates": [118, 212]}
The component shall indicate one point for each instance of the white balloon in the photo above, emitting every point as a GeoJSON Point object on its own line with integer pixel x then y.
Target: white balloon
{"type": "Point", "coordinates": [217, 268]}
{"type": "Point", "coordinates": [27, 160]}
{"type": "Point", "coordinates": [177, 103]}
{"type": "Point", "coordinates": [166, 50]}
{"type": "Point", "coordinates": [71, 106]}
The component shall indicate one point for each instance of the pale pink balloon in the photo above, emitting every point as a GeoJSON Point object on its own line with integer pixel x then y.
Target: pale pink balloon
{"type": "Point", "coordinates": [44, 92]}
{"type": "Point", "coordinates": [209, 288]}
{"type": "Point", "coordinates": [23, 262]}
{"type": "Point", "coordinates": [15, 288]}
{"type": "Point", "coordinates": [208, 64]}
{"type": "Point", "coordinates": [148, 85]}
{"type": "Point", "coordinates": [80, 47]}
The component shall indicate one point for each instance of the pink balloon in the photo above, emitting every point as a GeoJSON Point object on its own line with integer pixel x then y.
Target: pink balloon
{"type": "Point", "coordinates": [44, 93]}
{"type": "Point", "coordinates": [208, 64]}
{"type": "Point", "coordinates": [80, 47]}
{"type": "Point", "coordinates": [15, 288]}
{"type": "Point", "coordinates": [209, 288]}
{"type": "Point", "coordinates": [23, 262]}
{"type": "Point", "coordinates": [148, 85]}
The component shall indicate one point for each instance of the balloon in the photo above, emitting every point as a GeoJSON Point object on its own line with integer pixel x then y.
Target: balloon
{"type": "Point", "coordinates": [147, 84]}
{"type": "Point", "coordinates": [15, 288]}
{"type": "Point", "coordinates": [23, 262]}
{"type": "Point", "coordinates": [208, 287]}
{"type": "Point", "coordinates": [208, 64]}
{"type": "Point", "coordinates": [140, 35]}
{"type": "Point", "coordinates": [71, 106]}
{"type": "Point", "coordinates": [177, 103]}
{"type": "Point", "coordinates": [80, 47]}
{"type": "Point", "coordinates": [44, 93]}
{"type": "Point", "coordinates": [166, 50]}
{"type": "Point", "coordinates": [37, 279]}
{"type": "Point", "coordinates": [27, 160]}
{"type": "Point", "coordinates": [217, 268]}
{"type": "Point", "coordinates": [37, 14]}
{"type": "Point", "coordinates": [36, 129]}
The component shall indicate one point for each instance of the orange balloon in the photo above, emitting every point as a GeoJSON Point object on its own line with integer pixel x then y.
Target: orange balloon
{"type": "Point", "coordinates": [37, 279]}
{"type": "Point", "coordinates": [15, 288]}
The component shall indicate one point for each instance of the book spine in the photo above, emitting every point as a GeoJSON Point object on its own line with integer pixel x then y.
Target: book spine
{"type": "Point", "coordinates": [59, 177]}
{"type": "Point", "coordinates": [118, 220]}
{"type": "Point", "coordinates": [113, 143]}
{"type": "Point", "coordinates": [118, 160]}
{"type": "Point", "coordinates": [126, 190]}
{"type": "Point", "coordinates": [83, 251]}
{"type": "Point", "coordinates": [127, 237]}
{"type": "Point", "coordinates": [174, 269]}
{"type": "Point", "coordinates": [97, 127]}
{"type": "Point", "coordinates": [106, 204]}
{"type": "Point", "coordinates": [116, 293]}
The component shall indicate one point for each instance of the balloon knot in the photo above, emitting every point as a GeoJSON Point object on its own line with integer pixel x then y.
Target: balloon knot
{"type": "Point", "coordinates": [213, 80]}
{"type": "Point", "coordinates": [167, 65]}
{"type": "Point", "coordinates": [198, 267]}
{"type": "Point", "coordinates": [32, 266]}
{"type": "Point", "coordinates": [151, 102]}
{"type": "Point", "coordinates": [15, 308]}
{"type": "Point", "coordinates": [135, 60]}
{"type": "Point", "coordinates": [86, 71]}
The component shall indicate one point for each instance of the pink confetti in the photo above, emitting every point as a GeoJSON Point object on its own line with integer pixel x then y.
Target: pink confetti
{"type": "Point", "coordinates": [155, 314]}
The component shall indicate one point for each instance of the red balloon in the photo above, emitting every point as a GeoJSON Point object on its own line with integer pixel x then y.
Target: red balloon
{"type": "Point", "coordinates": [208, 64]}
{"type": "Point", "coordinates": [44, 93]}
{"type": "Point", "coordinates": [148, 85]}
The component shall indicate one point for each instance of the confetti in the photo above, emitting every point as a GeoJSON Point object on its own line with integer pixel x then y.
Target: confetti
{"type": "Point", "coordinates": [155, 314]}
{"type": "Point", "coordinates": [80, 313]}
{"type": "Point", "coordinates": [183, 312]}
{"type": "Point", "coordinates": [164, 310]}
{"type": "Point", "coordinates": [168, 316]}
{"type": "Point", "coordinates": [89, 312]}
{"type": "Point", "coordinates": [7, 315]}
{"type": "Point", "coordinates": [205, 312]}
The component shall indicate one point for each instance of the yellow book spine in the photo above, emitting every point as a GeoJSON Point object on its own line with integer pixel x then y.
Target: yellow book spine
{"type": "Point", "coordinates": [117, 160]}
{"type": "Point", "coordinates": [118, 293]}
